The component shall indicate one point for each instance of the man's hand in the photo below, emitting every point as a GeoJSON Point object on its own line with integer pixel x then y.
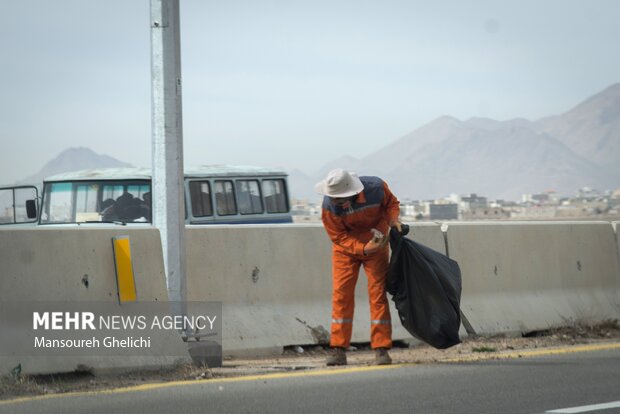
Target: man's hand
{"type": "Point", "coordinates": [375, 244]}
{"type": "Point", "coordinates": [397, 225]}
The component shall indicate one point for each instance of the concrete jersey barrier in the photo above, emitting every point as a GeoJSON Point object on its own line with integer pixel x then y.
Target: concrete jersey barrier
{"type": "Point", "coordinates": [77, 264]}
{"type": "Point", "coordinates": [274, 282]}
{"type": "Point", "coordinates": [521, 277]}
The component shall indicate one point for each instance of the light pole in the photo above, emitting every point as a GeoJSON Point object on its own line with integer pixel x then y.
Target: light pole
{"type": "Point", "coordinates": [167, 143]}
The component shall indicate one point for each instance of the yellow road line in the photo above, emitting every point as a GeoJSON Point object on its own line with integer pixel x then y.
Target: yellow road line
{"type": "Point", "coordinates": [322, 372]}
{"type": "Point", "coordinates": [148, 387]}
{"type": "Point", "coordinates": [535, 353]}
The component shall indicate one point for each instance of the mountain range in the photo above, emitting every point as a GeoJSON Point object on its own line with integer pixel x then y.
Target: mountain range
{"type": "Point", "coordinates": [73, 159]}
{"type": "Point", "coordinates": [498, 159]}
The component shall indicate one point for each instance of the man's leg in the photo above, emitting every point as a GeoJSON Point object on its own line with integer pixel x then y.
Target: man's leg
{"type": "Point", "coordinates": [376, 267]}
{"type": "Point", "coordinates": [345, 270]}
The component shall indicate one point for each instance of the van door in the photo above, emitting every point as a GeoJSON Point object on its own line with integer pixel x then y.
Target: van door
{"type": "Point", "coordinates": [19, 205]}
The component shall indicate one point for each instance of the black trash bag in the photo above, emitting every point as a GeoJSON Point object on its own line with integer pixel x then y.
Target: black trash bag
{"type": "Point", "coordinates": [426, 288]}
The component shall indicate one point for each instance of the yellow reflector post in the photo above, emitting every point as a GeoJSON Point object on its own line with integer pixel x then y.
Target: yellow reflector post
{"type": "Point", "coordinates": [124, 269]}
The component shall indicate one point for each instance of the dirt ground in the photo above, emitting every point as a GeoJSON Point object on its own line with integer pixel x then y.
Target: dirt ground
{"type": "Point", "coordinates": [311, 358]}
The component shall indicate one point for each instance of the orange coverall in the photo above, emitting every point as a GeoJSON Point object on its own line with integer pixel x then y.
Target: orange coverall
{"type": "Point", "coordinates": [349, 230]}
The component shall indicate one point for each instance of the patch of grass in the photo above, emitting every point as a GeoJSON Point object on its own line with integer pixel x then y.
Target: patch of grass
{"type": "Point", "coordinates": [14, 386]}
{"type": "Point", "coordinates": [610, 324]}
{"type": "Point", "coordinates": [483, 349]}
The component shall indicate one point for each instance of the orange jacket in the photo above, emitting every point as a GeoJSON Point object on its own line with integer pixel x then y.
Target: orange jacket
{"type": "Point", "coordinates": [375, 207]}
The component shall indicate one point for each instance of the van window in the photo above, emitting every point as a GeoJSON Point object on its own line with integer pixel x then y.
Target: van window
{"type": "Point", "coordinates": [81, 202]}
{"type": "Point", "coordinates": [200, 194]}
{"type": "Point", "coordinates": [225, 198]}
{"type": "Point", "coordinates": [275, 196]}
{"type": "Point", "coordinates": [13, 201]}
{"type": "Point", "coordinates": [58, 204]}
{"type": "Point", "coordinates": [248, 197]}
{"type": "Point", "coordinates": [86, 202]}
{"type": "Point", "coordinates": [112, 191]}
{"type": "Point", "coordinates": [6, 206]}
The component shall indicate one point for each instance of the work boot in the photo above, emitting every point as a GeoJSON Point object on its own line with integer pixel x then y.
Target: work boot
{"type": "Point", "coordinates": [382, 357]}
{"type": "Point", "coordinates": [337, 357]}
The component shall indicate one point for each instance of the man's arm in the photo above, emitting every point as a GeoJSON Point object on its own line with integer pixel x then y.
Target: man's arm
{"type": "Point", "coordinates": [339, 234]}
{"type": "Point", "coordinates": [392, 207]}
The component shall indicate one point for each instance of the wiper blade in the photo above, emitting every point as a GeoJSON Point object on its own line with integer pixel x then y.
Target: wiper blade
{"type": "Point", "coordinates": [120, 223]}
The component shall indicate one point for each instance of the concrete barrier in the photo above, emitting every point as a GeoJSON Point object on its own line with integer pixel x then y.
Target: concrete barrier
{"type": "Point", "coordinates": [76, 264]}
{"type": "Point", "coordinates": [275, 281]}
{"type": "Point", "coordinates": [275, 284]}
{"type": "Point", "coordinates": [521, 277]}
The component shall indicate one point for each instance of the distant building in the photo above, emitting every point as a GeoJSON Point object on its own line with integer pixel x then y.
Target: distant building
{"type": "Point", "coordinates": [588, 193]}
{"type": "Point", "coordinates": [503, 203]}
{"type": "Point", "coordinates": [538, 212]}
{"type": "Point", "coordinates": [588, 206]}
{"type": "Point", "coordinates": [411, 208]}
{"type": "Point", "coordinates": [473, 201]}
{"type": "Point", "coordinates": [447, 211]}
{"type": "Point", "coordinates": [454, 198]}
{"type": "Point", "coordinates": [305, 212]}
{"type": "Point", "coordinates": [486, 213]}
{"type": "Point", "coordinates": [549, 197]}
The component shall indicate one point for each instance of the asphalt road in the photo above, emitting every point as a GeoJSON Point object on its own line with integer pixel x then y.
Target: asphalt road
{"type": "Point", "coordinates": [525, 385]}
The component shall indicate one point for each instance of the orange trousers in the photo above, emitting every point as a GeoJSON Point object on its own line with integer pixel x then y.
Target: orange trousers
{"type": "Point", "coordinates": [345, 271]}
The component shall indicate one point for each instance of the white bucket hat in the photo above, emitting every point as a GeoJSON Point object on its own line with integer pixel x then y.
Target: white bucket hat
{"type": "Point", "coordinates": [339, 184]}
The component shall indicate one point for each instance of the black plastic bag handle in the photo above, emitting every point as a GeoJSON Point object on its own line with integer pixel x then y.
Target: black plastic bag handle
{"type": "Point", "coordinates": [395, 234]}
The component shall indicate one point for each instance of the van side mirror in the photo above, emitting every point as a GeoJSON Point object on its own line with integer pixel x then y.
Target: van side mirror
{"type": "Point", "coordinates": [31, 209]}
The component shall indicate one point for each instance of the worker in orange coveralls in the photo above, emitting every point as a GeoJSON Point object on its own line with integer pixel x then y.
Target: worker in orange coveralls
{"type": "Point", "coordinates": [355, 210]}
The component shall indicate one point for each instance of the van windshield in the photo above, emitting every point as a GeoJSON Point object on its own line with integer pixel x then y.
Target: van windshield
{"type": "Point", "coordinates": [126, 201]}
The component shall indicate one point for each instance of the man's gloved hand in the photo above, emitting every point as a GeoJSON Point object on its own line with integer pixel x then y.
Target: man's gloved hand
{"type": "Point", "coordinates": [378, 241]}
{"type": "Point", "coordinates": [397, 225]}
{"type": "Point", "coordinates": [374, 245]}
{"type": "Point", "coordinates": [399, 229]}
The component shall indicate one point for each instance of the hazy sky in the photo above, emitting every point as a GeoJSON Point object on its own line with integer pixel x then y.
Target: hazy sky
{"type": "Point", "coordinates": [290, 83]}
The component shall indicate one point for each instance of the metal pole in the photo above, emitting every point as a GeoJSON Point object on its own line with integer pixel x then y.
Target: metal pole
{"type": "Point", "coordinates": [167, 141]}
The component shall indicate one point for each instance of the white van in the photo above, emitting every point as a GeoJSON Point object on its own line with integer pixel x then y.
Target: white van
{"type": "Point", "coordinates": [216, 194]}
